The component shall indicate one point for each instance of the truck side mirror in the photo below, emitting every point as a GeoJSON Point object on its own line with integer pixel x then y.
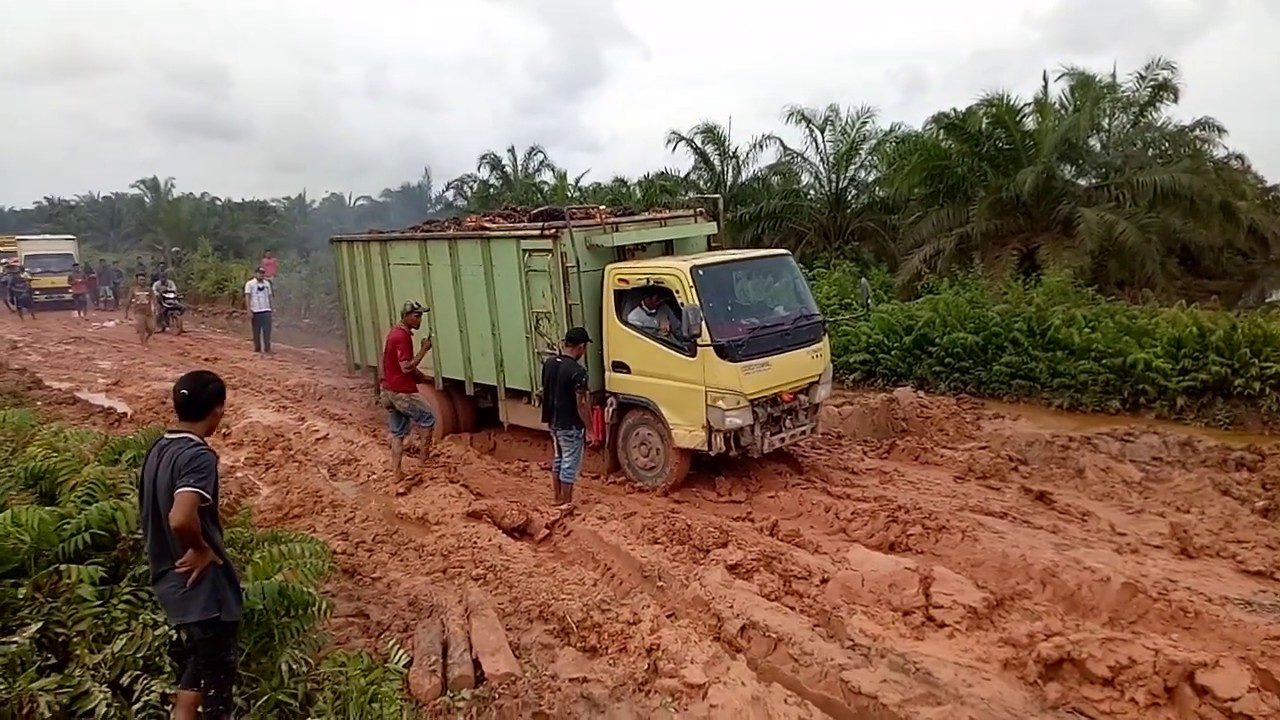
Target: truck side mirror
{"type": "Point", "coordinates": [691, 322]}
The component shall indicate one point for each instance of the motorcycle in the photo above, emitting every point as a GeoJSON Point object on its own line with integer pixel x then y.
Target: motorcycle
{"type": "Point", "coordinates": [169, 310]}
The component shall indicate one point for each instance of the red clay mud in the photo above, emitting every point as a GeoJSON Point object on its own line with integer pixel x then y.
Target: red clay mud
{"type": "Point", "coordinates": [925, 558]}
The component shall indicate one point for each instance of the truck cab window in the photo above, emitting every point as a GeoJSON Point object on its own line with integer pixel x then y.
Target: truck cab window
{"type": "Point", "coordinates": [654, 312]}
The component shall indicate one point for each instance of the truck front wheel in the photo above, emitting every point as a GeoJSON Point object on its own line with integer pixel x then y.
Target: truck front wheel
{"type": "Point", "coordinates": [647, 454]}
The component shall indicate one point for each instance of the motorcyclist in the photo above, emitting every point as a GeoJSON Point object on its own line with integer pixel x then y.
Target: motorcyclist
{"type": "Point", "coordinates": [163, 285]}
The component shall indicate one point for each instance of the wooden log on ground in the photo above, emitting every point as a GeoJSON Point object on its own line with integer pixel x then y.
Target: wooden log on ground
{"type": "Point", "coordinates": [459, 670]}
{"type": "Point", "coordinates": [426, 675]}
{"type": "Point", "coordinates": [489, 642]}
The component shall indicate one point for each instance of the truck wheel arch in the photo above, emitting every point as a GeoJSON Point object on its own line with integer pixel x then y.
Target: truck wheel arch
{"type": "Point", "coordinates": [442, 407]}
{"type": "Point", "coordinates": [675, 462]}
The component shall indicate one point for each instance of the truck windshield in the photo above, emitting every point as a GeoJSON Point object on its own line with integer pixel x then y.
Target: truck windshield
{"type": "Point", "coordinates": [48, 263]}
{"type": "Point", "coordinates": [742, 298]}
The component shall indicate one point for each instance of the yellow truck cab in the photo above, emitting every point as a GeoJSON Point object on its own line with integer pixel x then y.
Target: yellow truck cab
{"type": "Point", "coordinates": [740, 365]}
{"type": "Point", "coordinates": [48, 259]}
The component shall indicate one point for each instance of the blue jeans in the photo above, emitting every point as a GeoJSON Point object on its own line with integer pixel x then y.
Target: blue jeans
{"type": "Point", "coordinates": [406, 411]}
{"type": "Point", "coordinates": [566, 458]}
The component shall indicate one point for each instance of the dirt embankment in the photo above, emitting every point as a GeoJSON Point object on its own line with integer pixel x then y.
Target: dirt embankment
{"type": "Point", "coordinates": [925, 558]}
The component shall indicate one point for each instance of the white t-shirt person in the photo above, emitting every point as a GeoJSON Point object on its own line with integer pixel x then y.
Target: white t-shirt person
{"type": "Point", "coordinates": [259, 295]}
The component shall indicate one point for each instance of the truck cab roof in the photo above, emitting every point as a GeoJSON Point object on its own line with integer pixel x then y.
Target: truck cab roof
{"type": "Point", "coordinates": [685, 262]}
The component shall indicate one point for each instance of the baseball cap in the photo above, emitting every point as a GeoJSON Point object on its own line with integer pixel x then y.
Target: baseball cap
{"type": "Point", "coordinates": [410, 307]}
{"type": "Point", "coordinates": [577, 336]}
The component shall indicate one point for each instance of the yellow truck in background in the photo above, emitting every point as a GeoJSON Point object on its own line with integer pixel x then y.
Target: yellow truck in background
{"type": "Point", "coordinates": [744, 372]}
{"type": "Point", "coordinates": [8, 249]}
{"type": "Point", "coordinates": [48, 259]}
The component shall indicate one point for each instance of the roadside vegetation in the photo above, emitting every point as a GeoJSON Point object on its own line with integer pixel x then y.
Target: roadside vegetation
{"type": "Point", "coordinates": [81, 635]}
{"type": "Point", "coordinates": [1045, 232]}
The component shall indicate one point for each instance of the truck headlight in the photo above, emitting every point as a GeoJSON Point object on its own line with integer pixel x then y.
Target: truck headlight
{"type": "Point", "coordinates": [728, 411]}
{"type": "Point", "coordinates": [820, 392]}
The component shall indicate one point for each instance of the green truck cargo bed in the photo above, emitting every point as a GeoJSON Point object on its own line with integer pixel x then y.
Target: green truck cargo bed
{"type": "Point", "coordinates": [501, 298]}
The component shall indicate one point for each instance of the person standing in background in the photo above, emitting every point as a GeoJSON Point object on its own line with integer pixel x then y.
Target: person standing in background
{"type": "Point", "coordinates": [104, 284]}
{"type": "Point", "coordinates": [117, 284]}
{"type": "Point", "coordinates": [91, 279]}
{"type": "Point", "coordinates": [79, 291]}
{"type": "Point", "coordinates": [269, 265]}
{"type": "Point", "coordinates": [258, 300]}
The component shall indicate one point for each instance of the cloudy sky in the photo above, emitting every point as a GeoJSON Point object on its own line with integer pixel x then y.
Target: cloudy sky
{"type": "Point", "coordinates": [246, 97]}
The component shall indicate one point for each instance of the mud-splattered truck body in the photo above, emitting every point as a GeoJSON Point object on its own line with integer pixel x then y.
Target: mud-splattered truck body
{"type": "Point", "coordinates": [744, 372]}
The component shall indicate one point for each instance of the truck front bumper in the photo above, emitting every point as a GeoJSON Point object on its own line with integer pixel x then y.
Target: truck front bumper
{"type": "Point", "coordinates": [776, 422]}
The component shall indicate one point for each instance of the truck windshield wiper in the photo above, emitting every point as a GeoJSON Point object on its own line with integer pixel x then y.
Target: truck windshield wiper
{"type": "Point", "coordinates": [758, 328]}
{"type": "Point", "coordinates": [807, 315]}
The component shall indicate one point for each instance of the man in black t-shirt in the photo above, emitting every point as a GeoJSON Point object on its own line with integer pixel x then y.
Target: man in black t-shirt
{"type": "Point", "coordinates": [190, 572]}
{"type": "Point", "coordinates": [566, 409]}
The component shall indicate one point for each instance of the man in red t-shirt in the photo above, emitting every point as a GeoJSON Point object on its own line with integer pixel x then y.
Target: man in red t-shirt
{"type": "Point", "coordinates": [79, 290]}
{"type": "Point", "coordinates": [400, 378]}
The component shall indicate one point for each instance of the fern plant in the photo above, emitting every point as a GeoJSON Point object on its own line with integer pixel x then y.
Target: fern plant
{"type": "Point", "coordinates": [81, 635]}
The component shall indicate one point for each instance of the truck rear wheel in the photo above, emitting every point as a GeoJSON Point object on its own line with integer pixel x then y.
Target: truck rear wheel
{"type": "Point", "coordinates": [464, 409]}
{"type": "Point", "coordinates": [442, 407]}
{"type": "Point", "coordinates": [647, 453]}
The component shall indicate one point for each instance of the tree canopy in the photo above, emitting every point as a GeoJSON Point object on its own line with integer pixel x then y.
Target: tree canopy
{"type": "Point", "coordinates": [1095, 174]}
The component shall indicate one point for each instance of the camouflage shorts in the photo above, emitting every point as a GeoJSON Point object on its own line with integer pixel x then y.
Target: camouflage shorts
{"type": "Point", "coordinates": [406, 410]}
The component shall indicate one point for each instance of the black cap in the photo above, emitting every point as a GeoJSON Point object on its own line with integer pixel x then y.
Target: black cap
{"type": "Point", "coordinates": [577, 336]}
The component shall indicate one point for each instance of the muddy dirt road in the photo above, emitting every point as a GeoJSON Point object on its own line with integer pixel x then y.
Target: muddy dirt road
{"type": "Point", "coordinates": [926, 558]}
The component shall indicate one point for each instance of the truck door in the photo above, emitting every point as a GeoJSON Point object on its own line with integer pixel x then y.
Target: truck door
{"type": "Point", "coordinates": [662, 371]}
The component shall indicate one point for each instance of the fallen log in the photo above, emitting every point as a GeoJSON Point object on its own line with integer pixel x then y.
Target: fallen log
{"type": "Point", "coordinates": [489, 642]}
{"type": "Point", "coordinates": [426, 675]}
{"type": "Point", "coordinates": [460, 671]}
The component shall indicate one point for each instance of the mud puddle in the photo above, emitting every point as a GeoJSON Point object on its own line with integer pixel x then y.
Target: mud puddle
{"type": "Point", "coordinates": [1049, 419]}
{"type": "Point", "coordinates": [102, 400]}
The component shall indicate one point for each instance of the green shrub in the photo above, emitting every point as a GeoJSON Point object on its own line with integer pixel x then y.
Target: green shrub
{"type": "Point", "coordinates": [1058, 343]}
{"type": "Point", "coordinates": [81, 635]}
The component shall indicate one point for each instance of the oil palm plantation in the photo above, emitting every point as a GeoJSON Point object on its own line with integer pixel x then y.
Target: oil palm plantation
{"type": "Point", "coordinates": [1090, 175]}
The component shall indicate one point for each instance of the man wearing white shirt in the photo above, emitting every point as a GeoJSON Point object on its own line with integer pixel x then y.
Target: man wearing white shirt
{"type": "Point", "coordinates": [257, 298]}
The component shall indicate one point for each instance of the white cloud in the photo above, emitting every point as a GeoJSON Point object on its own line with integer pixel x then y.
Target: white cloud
{"type": "Point", "coordinates": [248, 98]}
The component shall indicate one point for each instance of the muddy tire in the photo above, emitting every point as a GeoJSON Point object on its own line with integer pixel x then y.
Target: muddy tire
{"type": "Point", "coordinates": [647, 454]}
{"type": "Point", "coordinates": [464, 410]}
{"type": "Point", "coordinates": [442, 407]}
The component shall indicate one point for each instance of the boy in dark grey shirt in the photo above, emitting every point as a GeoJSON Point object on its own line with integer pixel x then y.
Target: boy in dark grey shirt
{"type": "Point", "coordinates": [190, 572]}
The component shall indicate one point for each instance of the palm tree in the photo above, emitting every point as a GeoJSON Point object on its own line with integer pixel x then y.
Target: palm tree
{"type": "Point", "coordinates": [825, 196]}
{"type": "Point", "coordinates": [719, 165]}
{"type": "Point", "coordinates": [517, 178]}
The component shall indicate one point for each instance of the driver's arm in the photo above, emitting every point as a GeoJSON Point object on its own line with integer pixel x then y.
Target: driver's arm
{"type": "Point", "coordinates": [672, 319]}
